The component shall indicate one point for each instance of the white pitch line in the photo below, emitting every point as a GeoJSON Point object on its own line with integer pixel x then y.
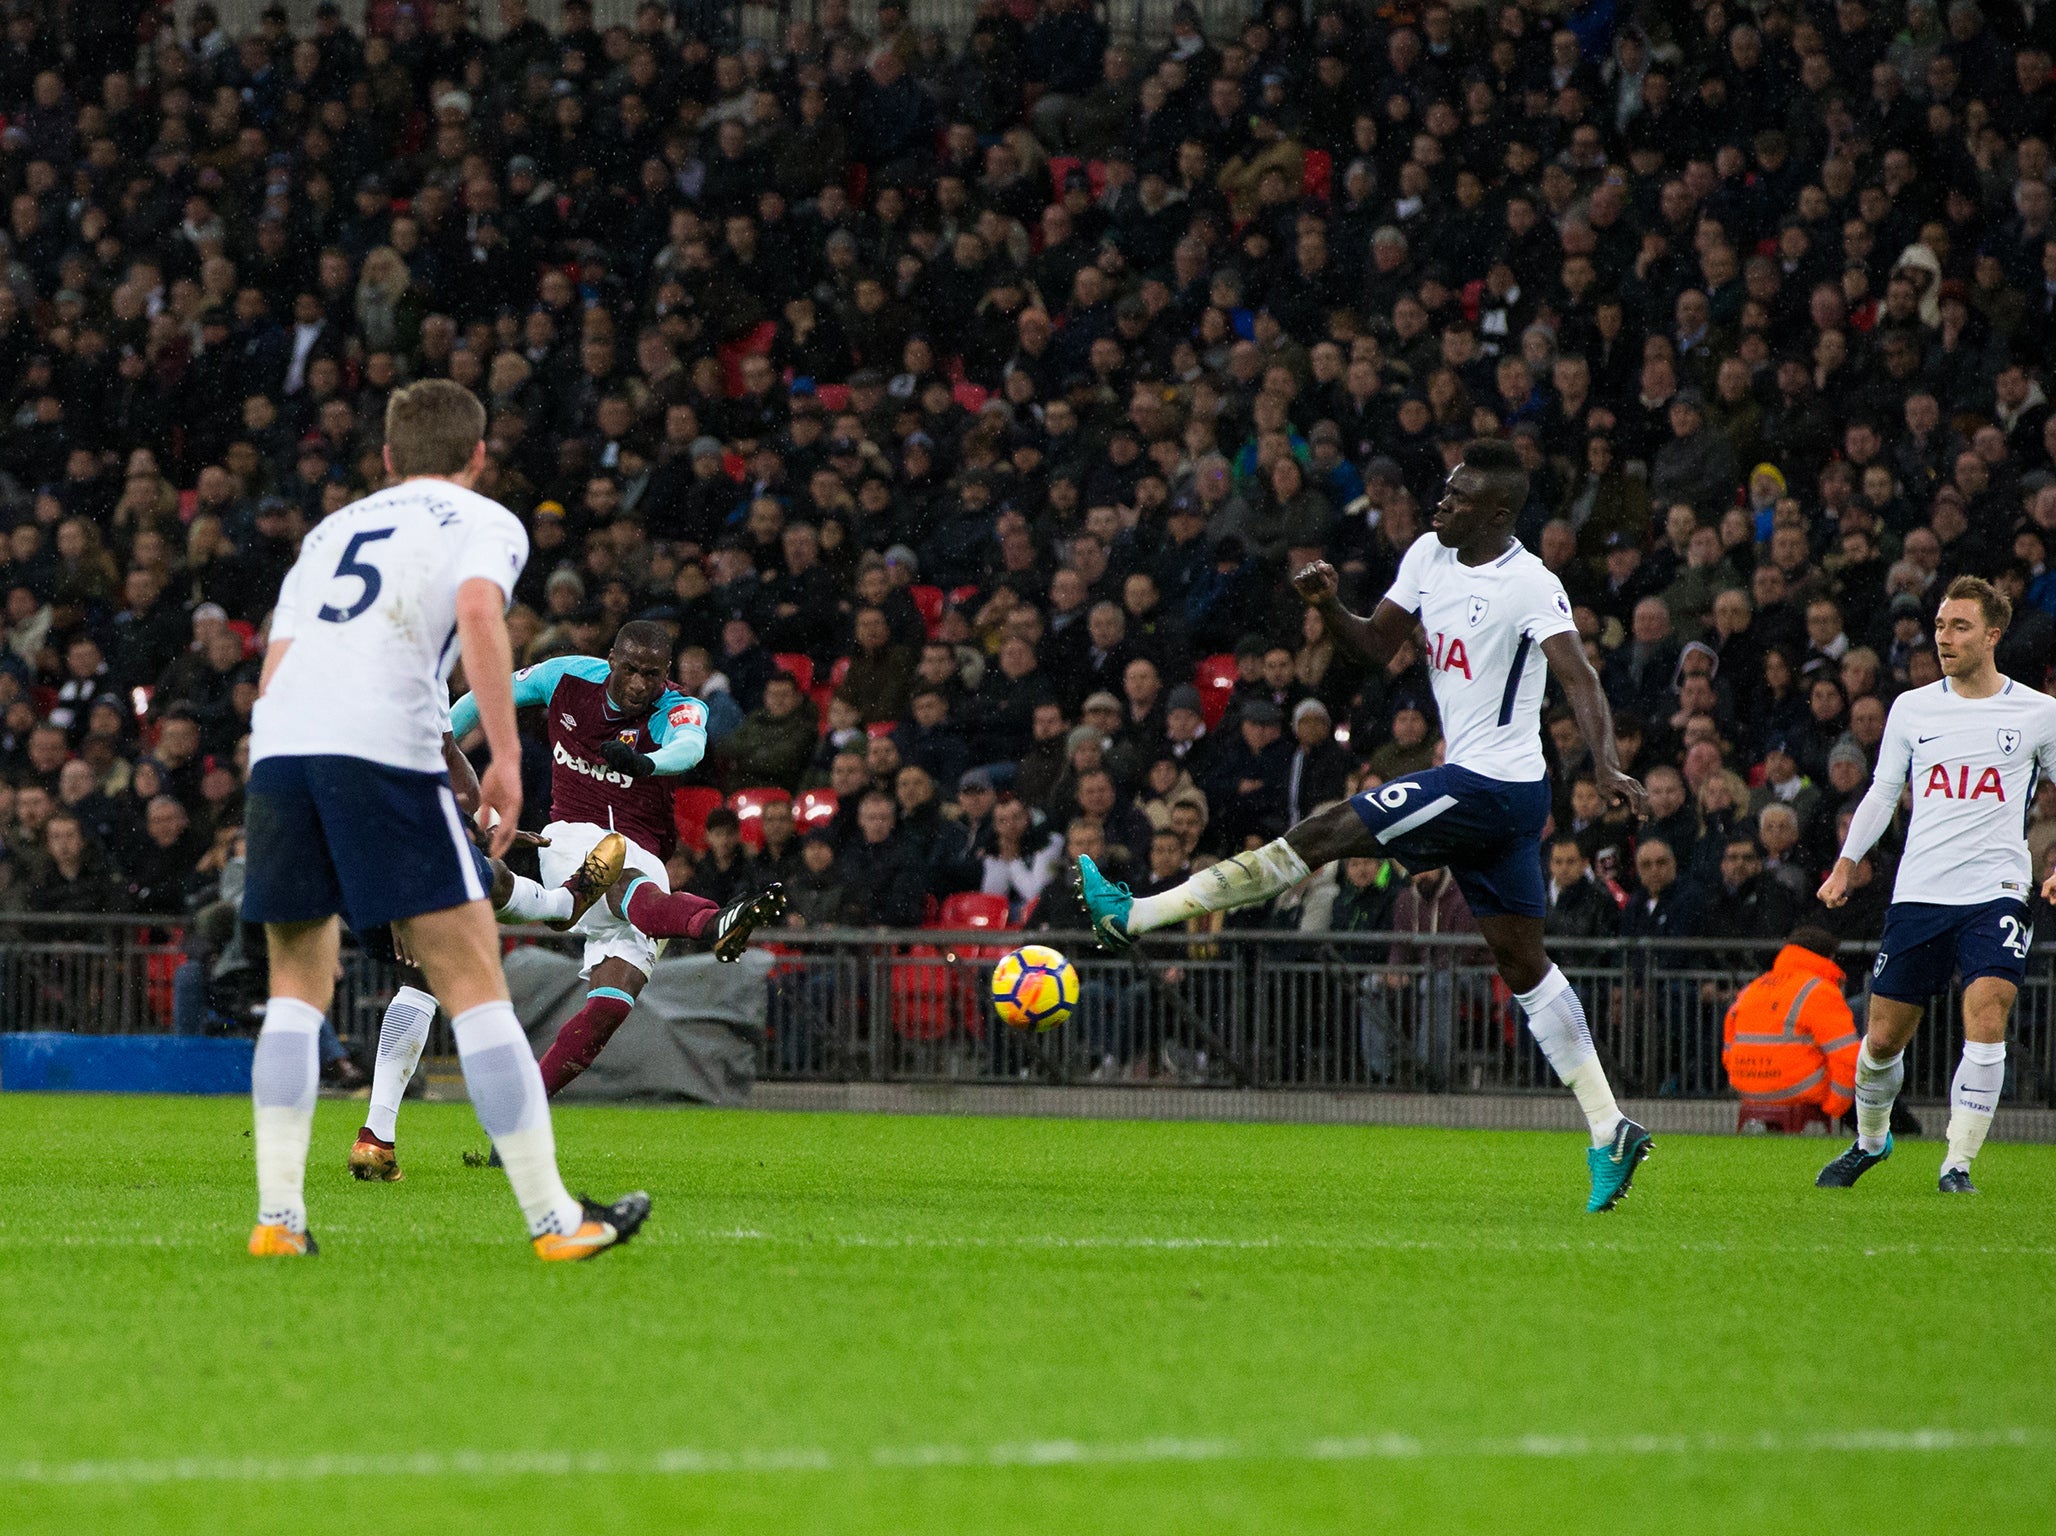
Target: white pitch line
{"type": "Point", "coordinates": [373, 1232]}
{"type": "Point", "coordinates": [1369, 1243]}
{"type": "Point", "coordinates": [691, 1462]}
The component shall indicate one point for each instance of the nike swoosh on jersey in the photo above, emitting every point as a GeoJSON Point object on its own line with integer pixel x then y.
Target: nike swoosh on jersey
{"type": "Point", "coordinates": [1936, 737]}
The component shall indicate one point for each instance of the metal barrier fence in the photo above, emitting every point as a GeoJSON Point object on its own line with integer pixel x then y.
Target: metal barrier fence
{"type": "Point", "coordinates": [1233, 1009]}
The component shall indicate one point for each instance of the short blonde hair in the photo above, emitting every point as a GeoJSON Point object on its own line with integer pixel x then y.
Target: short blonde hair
{"type": "Point", "coordinates": [432, 428]}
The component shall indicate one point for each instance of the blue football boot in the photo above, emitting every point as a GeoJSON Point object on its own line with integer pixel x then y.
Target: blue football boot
{"type": "Point", "coordinates": [1106, 904]}
{"type": "Point", "coordinates": [1613, 1165]}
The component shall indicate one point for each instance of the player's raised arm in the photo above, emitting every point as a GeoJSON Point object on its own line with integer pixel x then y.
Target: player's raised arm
{"type": "Point", "coordinates": [532, 685]}
{"type": "Point", "coordinates": [1565, 653]}
{"type": "Point", "coordinates": [1874, 812]}
{"type": "Point", "coordinates": [489, 666]}
{"type": "Point", "coordinates": [1378, 637]}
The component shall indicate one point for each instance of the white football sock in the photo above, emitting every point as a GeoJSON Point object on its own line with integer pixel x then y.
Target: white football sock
{"type": "Point", "coordinates": [1557, 1020]}
{"type": "Point", "coordinates": [1973, 1099]}
{"type": "Point", "coordinates": [1238, 882]}
{"type": "Point", "coordinates": [506, 1089]}
{"type": "Point", "coordinates": [401, 1035]}
{"type": "Point", "coordinates": [285, 1073]}
{"type": "Point", "coordinates": [1877, 1085]}
{"type": "Point", "coordinates": [530, 902]}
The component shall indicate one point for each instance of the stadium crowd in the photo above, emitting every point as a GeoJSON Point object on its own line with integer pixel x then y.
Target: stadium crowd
{"type": "Point", "coordinates": [964, 405]}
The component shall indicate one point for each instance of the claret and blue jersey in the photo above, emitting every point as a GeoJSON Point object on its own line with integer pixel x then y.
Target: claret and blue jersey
{"type": "Point", "coordinates": [581, 719]}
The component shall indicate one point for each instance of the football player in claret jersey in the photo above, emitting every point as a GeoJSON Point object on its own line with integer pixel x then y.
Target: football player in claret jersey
{"type": "Point", "coordinates": [1494, 621]}
{"type": "Point", "coordinates": [1971, 749]}
{"type": "Point", "coordinates": [346, 752]}
{"type": "Point", "coordinates": [619, 734]}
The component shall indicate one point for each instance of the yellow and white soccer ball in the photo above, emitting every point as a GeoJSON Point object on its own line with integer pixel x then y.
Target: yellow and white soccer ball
{"type": "Point", "coordinates": [1035, 988]}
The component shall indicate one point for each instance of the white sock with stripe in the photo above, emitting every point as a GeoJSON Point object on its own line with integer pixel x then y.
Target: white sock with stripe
{"type": "Point", "coordinates": [1557, 1020]}
{"type": "Point", "coordinates": [1238, 882]}
{"type": "Point", "coordinates": [531, 902]}
{"type": "Point", "coordinates": [1973, 1100]}
{"type": "Point", "coordinates": [402, 1034]}
{"type": "Point", "coordinates": [1877, 1085]}
{"type": "Point", "coordinates": [506, 1088]}
{"type": "Point", "coordinates": [285, 1074]}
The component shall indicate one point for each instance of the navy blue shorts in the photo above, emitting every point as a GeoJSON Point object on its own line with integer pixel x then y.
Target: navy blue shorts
{"type": "Point", "coordinates": [339, 835]}
{"type": "Point", "coordinates": [1924, 944]}
{"type": "Point", "coordinates": [1487, 831]}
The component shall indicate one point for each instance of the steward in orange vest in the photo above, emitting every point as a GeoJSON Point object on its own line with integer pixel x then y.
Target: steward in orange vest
{"type": "Point", "coordinates": [1790, 1038]}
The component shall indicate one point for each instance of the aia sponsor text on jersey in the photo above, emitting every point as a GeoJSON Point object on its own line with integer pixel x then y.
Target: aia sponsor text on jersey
{"type": "Point", "coordinates": [1446, 654]}
{"type": "Point", "coordinates": [1957, 785]}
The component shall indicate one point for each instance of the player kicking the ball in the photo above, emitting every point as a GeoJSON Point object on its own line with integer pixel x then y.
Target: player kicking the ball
{"type": "Point", "coordinates": [1487, 607]}
{"type": "Point", "coordinates": [346, 762]}
{"type": "Point", "coordinates": [618, 731]}
{"type": "Point", "coordinates": [1972, 747]}
{"type": "Point", "coordinates": [410, 1014]}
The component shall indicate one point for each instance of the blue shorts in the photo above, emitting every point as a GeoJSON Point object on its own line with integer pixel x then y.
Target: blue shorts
{"type": "Point", "coordinates": [1487, 831]}
{"type": "Point", "coordinates": [333, 835]}
{"type": "Point", "coordinates": [1924, 944]}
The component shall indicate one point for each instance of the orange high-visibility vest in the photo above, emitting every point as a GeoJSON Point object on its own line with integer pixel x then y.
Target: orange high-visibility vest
{"type": "Point", "coordinates": [1790, 1038]}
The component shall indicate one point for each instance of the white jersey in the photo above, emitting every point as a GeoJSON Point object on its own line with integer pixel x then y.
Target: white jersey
{"type": "Point", "coordinates": [371, 610]}
{"type": "Point", "coordinates": [1972, 765]}
{"type": "Point", "coordinates": [1485, 626]}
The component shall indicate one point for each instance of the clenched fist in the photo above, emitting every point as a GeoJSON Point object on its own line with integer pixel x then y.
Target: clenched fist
{"type": "Point", "coordinates": [1317, 583]}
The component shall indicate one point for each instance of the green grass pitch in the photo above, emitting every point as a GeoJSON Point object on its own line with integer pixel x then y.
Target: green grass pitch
{"type": "Point", "coordinates": [857, 1324]}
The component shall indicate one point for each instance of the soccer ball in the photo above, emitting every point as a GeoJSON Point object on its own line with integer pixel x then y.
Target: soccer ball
{"type": "Point", "coordinates": [1034, 988]}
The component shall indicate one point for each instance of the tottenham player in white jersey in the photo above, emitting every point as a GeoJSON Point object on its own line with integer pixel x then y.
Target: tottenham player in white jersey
{"type": "Point", "coordinates": [1494, 620]}
{"type": "Point", "coordinates": [346, 752]}
{"type": "Point", "coordinates": [1971, 748]}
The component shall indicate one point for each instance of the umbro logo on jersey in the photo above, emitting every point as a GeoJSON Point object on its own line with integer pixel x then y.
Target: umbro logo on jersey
{"type": "Point", "coordinates": [2009, 741]}
{"type": "Point", "coordinates": [1477, 611]}
{"type": "Point", "coordinates": [568, 722]}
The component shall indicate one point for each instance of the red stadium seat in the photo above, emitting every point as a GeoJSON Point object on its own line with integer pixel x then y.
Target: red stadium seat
{"type": "Point", "coordinates": [823, 696]}
{"type": "Point", "coordinates": [1215, 678]}
{"type": "Point", "coordinates": [881, 728]}
{"type": "Point", "coordinates": [799, 665]}
{"type": "Point", "coordinates": [816, 808]}
{"type": "Point", "coordinates": [748, 805]}
{"type": "Point", "coordinates": [972, 909]}
{"type": "Point", "coordinates": [839, 671]}
{"type": "Point", "coordinates": [926, 1000]}
{"type": "Point", "coordinates": [929, 601]}
{"type": "Point", "coordinates": [959, 596]}
{"type": "Point", "coordinates": [970, 396]}
{"type": "Point", "coordinates": [690, 808]}
{"type": "Point", "coordinates": [833, 397]}
{"type": "Point", "coordinates": [1060, 168]}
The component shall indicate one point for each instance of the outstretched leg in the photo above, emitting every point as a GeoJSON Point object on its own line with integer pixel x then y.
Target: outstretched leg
{"type": "Point", "coordinates": [1119, 918]}
{"type": "Point", "coordinates": [644, 904]}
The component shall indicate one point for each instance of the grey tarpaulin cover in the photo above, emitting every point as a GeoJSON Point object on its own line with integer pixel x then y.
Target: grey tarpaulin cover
{"type": "Point", "coordinates": [694, 1033]}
